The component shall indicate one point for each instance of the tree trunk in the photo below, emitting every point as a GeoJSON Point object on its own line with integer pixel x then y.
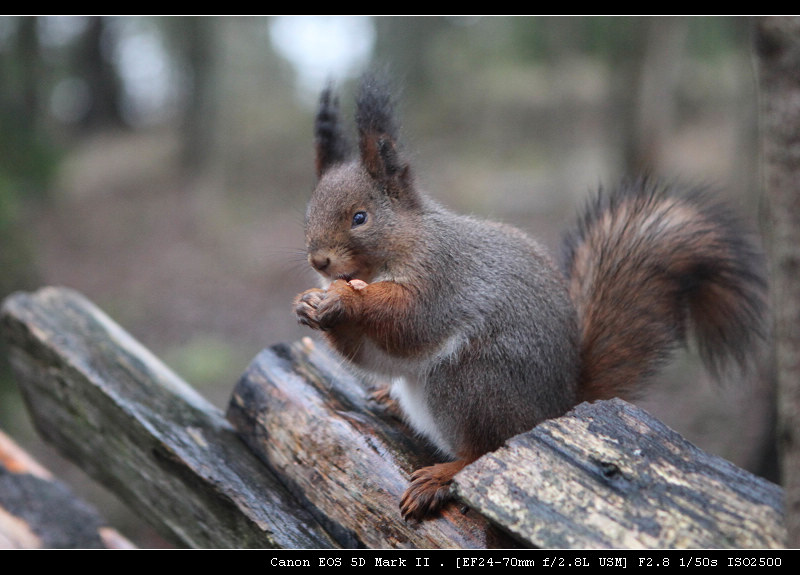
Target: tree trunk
{"type": "Point", "coordinates": [778, 55]}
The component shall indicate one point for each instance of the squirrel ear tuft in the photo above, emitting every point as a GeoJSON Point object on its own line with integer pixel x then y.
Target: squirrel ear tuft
{"type": "Point", "coordinates": [331, 145]}
{"type": "Point", "coordinates": [377, 132]}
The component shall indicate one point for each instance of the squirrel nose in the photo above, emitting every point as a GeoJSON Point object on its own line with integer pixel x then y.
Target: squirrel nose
{"type": "Point", "coordinates": [319, 262]}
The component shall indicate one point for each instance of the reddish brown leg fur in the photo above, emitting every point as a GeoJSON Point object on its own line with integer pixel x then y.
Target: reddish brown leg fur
{"type": "Point", "coordinates": [430, 489]}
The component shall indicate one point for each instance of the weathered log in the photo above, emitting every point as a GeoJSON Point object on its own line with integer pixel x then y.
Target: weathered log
{"type": "Point", "coordinates": [116, 411]}
{"type": "Point", "coordinates": [39, 512]}
{"type": "Point", "coordinates": [608, 475]}
{"type": "Point", "coordinates": [318, 427]}
{"type": "Point", "coordinates": [604, 475]}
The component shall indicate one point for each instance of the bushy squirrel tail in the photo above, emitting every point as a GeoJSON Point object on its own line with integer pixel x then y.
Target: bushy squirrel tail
{"type": "Point", "coordinates": [645, 265]}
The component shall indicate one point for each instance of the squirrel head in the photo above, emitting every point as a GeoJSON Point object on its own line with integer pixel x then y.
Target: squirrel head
{"type": "Point", "coordinates": [360, 219]}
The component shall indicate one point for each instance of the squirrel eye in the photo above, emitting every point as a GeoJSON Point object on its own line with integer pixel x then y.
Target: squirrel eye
{"type": "Point", "coordinates": [359, 218]}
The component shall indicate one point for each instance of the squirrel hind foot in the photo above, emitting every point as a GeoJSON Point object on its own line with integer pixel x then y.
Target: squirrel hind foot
{"type": "Point", "coordinates": [382, 396]}
{"type": "Point", "coordinates": [429, 491]}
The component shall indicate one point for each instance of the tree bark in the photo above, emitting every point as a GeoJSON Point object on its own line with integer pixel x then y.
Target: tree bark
{"type": "Point", "coordinates": [778, 57]}
{"type": "Point", "coordinates": [122, 416]}
{"type": "Point", "coordinates": [39, 512]}
{"type": "Point", "coordinates": [608, 475]}
{"type": "Point", "coordinates": [349, 458]}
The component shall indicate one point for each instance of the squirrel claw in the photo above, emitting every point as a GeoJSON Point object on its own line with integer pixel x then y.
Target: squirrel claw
{"type": "Point", "coordinates": [383, 397]}
{"type": "Point", "coordinates": [305, 307]}
{"type": "Point", "coordinates": [322, 309]}
{"type": "Point", "coordinates": [429, 490]}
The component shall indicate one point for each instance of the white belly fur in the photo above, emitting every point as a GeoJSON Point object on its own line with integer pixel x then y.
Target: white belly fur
{"type": "Point", "coordinates": [410, 394]}
{"type": "Point", "coordinates": [408, 387]}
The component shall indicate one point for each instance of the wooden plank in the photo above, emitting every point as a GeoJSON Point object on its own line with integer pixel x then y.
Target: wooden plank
{"type": "Point", "coordinates": [608, 475]}
{"type": "Point", "coordinates": [39, 512]}
{"type": "Point", "coordinates": [115, 410]}
{"type": "Point", "coordinates": [316, 425]}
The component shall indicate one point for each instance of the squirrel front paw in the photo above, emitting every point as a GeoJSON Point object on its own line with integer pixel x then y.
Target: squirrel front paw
{"type": "Point", "coordinates": [305, 307]}
{"type": "Point", "coordinates": [323, 309]}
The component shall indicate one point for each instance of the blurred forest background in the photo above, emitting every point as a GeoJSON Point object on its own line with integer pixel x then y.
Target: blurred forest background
{"type": "Point", "coordinates": [160, 165]}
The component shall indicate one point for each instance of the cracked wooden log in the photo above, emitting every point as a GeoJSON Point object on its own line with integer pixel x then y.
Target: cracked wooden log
{"type": "Point", "coordinates": [39, 512]}
{"type": "Point", "coordinates": [116, 411]}
{"type": "Point", "coordinates": [608, 475]}
{"type": "Point", "coordinates": [348, 456]}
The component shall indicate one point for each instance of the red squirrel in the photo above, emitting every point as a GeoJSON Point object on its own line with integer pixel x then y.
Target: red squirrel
{"type": "Point", "coordinates": [484, 333]}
